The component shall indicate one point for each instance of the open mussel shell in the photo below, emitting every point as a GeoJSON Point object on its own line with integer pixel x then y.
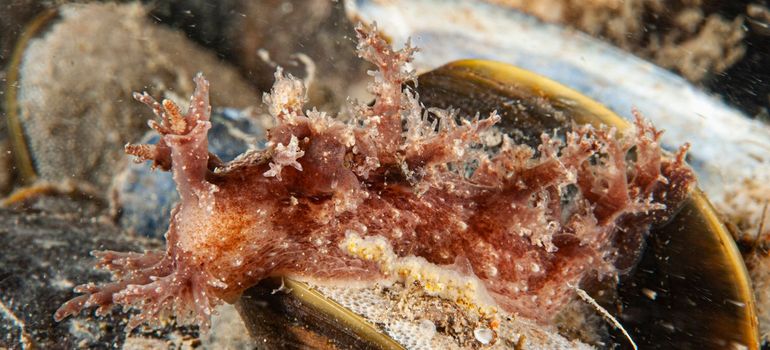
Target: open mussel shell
{"type": "Point", "coordinates": [689, 291]}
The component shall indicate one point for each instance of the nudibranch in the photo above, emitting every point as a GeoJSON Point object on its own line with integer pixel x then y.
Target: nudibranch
{"type": "Point", "coordinates": [397, 190]}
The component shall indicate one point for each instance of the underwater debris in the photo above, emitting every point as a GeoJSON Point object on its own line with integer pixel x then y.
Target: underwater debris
{"type": "Point", "coordinates": [524, 223]}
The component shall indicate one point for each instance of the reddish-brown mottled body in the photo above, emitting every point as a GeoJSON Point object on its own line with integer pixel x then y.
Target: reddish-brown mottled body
{"type": "Point", "coordinates": [530, 225]}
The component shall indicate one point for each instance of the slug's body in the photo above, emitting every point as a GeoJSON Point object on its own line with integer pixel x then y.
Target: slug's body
{"type": "Point", "coordinates": [384, 193]}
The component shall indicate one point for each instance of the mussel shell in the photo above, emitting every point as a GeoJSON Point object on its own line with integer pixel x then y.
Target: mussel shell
{"type": "Point", "coordinates": [703, 297]}
{"type": "Point", "coordinates": [22, 158]}
{"type": "Point", "coordinates": [55, 108]}
{"type": "Point", "coordinates": [288, 314]}
{"type": "Point", "coordinates": [460, 29]}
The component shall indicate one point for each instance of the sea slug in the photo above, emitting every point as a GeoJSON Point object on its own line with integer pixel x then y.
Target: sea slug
{"type": "Point", "coordinates": [398, 190]}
